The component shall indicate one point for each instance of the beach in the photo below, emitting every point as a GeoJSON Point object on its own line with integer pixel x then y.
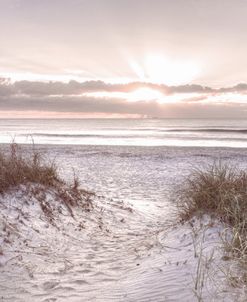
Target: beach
{"type": "Point", "coordinates": [123, 151]}
{"type": "Point", "coordinates": [131, 247]}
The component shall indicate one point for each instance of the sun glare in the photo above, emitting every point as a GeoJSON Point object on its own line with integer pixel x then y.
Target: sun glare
{"type": "Point", "coordinates": [161, 70]}
{"type": "Point", "coordinates": [144, 95]}
{"type": "Point", "coordinates": [141, 94]}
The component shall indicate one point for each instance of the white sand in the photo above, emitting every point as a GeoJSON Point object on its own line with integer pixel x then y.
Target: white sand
{"type": "Point", "coordinates": [122, 250]}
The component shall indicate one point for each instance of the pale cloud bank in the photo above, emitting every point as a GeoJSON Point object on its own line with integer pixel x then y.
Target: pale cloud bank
{"type": "Point", "coordinates": [184, 101]}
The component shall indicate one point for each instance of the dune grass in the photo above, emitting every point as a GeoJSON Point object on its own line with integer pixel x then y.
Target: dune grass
{"type": "Point", "coordinates": [18, 167]}
{"type": "Point", "coordinates": [221, 192]}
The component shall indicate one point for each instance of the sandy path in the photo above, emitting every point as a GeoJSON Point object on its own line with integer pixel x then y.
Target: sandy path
{"type": "Point", "coordinates": [120, 251]}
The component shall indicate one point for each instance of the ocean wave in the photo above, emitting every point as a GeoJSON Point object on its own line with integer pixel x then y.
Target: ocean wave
{"type": "Point", "coordinates": [141, 133]}
{"type": "Point", "coordinates": [224, 130]}
{"type": "Point", "coordinates": [63, 135]}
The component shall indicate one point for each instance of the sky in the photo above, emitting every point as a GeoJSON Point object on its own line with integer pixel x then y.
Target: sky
{"type": "Point", "coordinates": [123, 58]}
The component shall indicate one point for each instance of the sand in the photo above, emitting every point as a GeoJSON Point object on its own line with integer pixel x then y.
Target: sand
{"type": "Point", "coordinates": [129, 247]}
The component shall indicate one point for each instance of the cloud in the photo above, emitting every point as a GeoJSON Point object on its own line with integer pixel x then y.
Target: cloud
{"type": "Point", "coordinates": [35, 88]}
{"type": "Point", "coordinates": [71, 97]}
{"type": "Point", "coordinates": [71, 88]}
{"type": "Point", "coordinates": [119, 106]}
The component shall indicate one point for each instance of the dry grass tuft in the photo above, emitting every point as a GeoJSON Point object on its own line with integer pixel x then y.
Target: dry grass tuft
{"type": "Point", "coordinates": [220, 191]}
{"type": "Point", "coordinates": [18, 167]}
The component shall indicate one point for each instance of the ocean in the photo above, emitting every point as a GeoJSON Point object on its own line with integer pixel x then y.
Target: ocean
{"type": "Point", "coordinates": [127, 132]}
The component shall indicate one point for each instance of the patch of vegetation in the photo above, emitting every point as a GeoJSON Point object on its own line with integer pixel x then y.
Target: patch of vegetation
{"type": "Point", "coordinates": [16, 169]}
{"type": "Point", "coordinates": [23, 168]}
{"type": "Point", "coordinates": [220, 191]}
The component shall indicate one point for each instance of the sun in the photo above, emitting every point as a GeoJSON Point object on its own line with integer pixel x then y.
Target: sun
{"type": "Point", "coordinates": [144, 94]}
{"type": "Point", "coordinates": [161, 70]}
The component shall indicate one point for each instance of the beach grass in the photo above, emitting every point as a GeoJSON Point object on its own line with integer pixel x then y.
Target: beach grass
{"type": "Point", "coordinates": [220, 191]}
{"type": "Point", "coordinates": [29, 168]}
{"type": "Point", "coordinates": [17, 167]}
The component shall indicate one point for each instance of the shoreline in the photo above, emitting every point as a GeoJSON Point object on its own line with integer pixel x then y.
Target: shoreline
{"type": "Point", "coordinates": [179, 149]}
{"type": "Point", "coordinates": [127, 146]}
